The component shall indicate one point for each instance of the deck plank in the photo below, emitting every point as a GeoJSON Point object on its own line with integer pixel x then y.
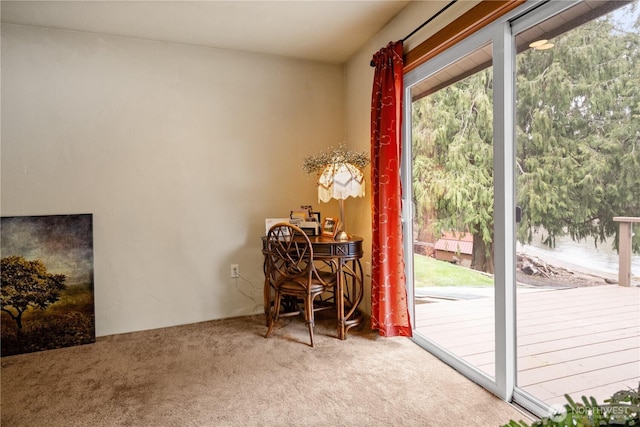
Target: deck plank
{"type": "Point", "coordinates": [581, 340]}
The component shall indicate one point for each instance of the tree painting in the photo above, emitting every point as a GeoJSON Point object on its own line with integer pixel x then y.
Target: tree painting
{"type": "Point", "coordinates": [46, 292]}
{"type": "Point", "coordinates": [578, 143]}
{"type": "Point", "coordinates": [27, 284]}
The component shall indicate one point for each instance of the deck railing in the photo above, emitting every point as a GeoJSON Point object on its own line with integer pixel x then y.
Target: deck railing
{"type": "Point", "coordinates": [624, 249]}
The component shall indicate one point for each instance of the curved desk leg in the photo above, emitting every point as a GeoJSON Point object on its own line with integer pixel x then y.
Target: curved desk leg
{"type": "Point", "coordinates": [267, 301]}
{"type": "Point", "coordinates": [351, 290]}
{"type": "Point", "coordinates": [266, 294]}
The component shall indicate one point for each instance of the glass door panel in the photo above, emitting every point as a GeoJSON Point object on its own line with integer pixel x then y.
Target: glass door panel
{"type": "Point", "coordinates": [577, 75]}
{"type": "Point", "coordinates": [452, 187]}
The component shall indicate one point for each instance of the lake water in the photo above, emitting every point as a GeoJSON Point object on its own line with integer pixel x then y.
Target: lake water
{"type": "Point", "coordinates": [581, 256]}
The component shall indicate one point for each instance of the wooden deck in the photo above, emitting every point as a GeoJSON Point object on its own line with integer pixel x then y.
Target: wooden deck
{"type": "Point", "coordinates": [580, 341]}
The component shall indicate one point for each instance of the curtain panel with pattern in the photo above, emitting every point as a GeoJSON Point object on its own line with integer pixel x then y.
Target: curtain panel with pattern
{"type": "Point", "coordinates": [389, 310]}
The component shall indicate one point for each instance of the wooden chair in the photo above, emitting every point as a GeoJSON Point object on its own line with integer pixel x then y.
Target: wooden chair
{"type": "Point", "coordinates": [292, 272]}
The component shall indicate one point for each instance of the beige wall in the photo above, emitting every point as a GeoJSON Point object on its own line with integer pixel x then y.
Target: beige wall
{"type": "Point", "coordinates": [179, 152]}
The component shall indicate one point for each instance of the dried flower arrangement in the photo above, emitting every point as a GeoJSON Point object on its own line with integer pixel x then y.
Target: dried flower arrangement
{"type": "Point", "coordinates": [332, 156]}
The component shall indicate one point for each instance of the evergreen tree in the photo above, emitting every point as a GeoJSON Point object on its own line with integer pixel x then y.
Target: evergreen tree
{"type": "Point", "coordinates": [578, 114]}
{"type": "Point", "coordinates": [453, 161]}
{"type": "Point", "coordinates": [578, 143]}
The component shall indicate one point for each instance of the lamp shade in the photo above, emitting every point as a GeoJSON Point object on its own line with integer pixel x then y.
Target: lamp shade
{"type": "Point", "coordinates": [340, 181]}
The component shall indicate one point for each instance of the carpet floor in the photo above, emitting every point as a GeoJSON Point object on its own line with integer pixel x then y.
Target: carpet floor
{"type": "Point", "coordinates": [225, 373]}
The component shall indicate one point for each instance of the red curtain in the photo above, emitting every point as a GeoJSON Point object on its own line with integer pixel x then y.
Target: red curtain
{"type": "Point", "coordinates": [389, 310]}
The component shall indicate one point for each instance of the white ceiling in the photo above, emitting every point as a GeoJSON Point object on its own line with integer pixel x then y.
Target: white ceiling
{"type": "Point", "coordinates": [326, 31]}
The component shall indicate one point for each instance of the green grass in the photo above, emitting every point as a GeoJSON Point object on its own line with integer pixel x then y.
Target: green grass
{"type": "Point", "coordinates": [431, 272]}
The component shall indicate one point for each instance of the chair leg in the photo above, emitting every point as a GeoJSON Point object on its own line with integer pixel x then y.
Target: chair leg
{"type": "Point", "coordinates": [274, 317]}
{"type": "Point", "coordinates": [308, 315]}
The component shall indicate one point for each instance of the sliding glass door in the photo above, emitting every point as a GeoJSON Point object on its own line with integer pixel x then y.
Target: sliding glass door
{"type": "Point", "coordinates": [511, 137]}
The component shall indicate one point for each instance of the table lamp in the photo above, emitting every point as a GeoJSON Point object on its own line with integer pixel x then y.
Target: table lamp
{"type": "Point", "coordinates": [339, 181]}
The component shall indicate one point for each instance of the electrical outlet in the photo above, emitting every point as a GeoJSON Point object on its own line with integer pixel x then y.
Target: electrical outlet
{"type": "Point", "coordinates": [235, 271]}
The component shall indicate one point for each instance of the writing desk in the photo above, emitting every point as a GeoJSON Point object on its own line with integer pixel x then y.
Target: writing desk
{"type": "Point", "coordinates": [346, 255]}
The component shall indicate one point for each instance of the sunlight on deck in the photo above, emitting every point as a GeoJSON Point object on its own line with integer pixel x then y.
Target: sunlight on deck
{"type": "Point", "coordinates": [580, 341]}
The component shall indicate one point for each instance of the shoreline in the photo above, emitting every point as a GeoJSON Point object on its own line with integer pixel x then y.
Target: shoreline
{"type": "Point", "coordinates": [559, 260]}
{"type": "Point", "coordinates": [565, 275]}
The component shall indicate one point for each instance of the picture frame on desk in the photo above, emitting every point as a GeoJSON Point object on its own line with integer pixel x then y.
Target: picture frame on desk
{"type": "Point", "coordinates": [270, 222]}
{"type": "Point", "coordinates": [330, 227]}
{"type": "Point", "coordinates": [299, 214]}
{"type": "Point", "coordinates": [311, 228]}
{"type": "Point", "coordinates": [305, 215]}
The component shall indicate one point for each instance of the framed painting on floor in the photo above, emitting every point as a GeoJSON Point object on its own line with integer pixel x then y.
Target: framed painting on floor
{"type": "Point", "coordinates": [47, 282]}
